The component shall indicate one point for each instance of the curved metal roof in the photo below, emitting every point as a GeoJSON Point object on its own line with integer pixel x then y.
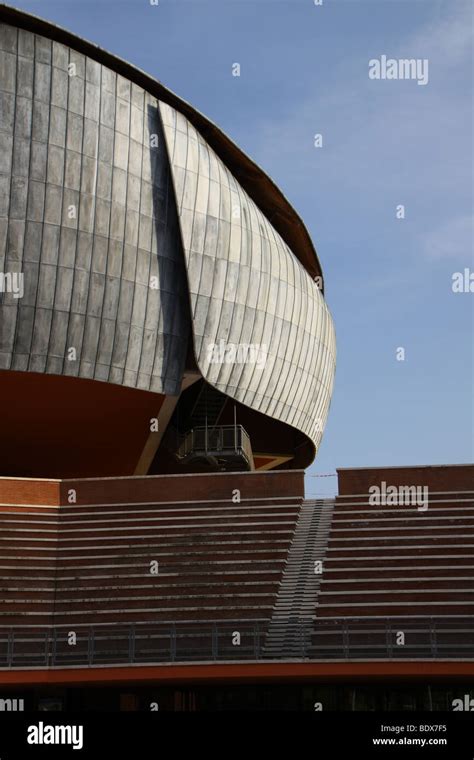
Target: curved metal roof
{"type": "Point", "coordinates": [257, 184]}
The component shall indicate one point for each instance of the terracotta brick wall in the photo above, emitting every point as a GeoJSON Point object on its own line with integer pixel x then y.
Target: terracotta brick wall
{"type": "Point", "coordinates": [89, 562]}
{"type": "Point", "coordinates": [436, 477]}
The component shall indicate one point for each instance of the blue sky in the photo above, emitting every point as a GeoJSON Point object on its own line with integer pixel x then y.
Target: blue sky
{"type": "Point", "coordinates": [304, 70]}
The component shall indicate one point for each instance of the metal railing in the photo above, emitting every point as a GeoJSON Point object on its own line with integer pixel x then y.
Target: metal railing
{"type": "Point", "coordinates": [220, 440]}
{"type": "Point", "coordinates": [141, 643]}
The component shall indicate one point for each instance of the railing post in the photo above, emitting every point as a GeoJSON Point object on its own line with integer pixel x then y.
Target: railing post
{"type": "Point", "coordinates": [345, 639]}
{"type": "Point", "coordinates": [314, 639]}
{"type": "Point", "coordinates": [46, 648]}
{"type": "Point", "coordinates": [388, 639]}
{"type": "Point", "coordinates": [173, 643]}
{"type": "Point", "coordinates": [215, 642]}
{"type": "Point", "coordinates": [131, 643]}
{"type": "Point", "coordinates": [301, 629]}
{"type": "Point", "coordinates": [433, 638]}
{"type": "Point", "coordinates": [90, 647]}
{"type": "Point", "coordinates": [10, 647]}
{"type": "Point", "coordinates": [54, 647]}
{"type": "Point", "coordinates": [256, 638]}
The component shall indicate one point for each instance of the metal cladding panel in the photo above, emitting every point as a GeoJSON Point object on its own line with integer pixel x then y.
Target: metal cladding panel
{"type": "Point", "coordinates": [87, 215]}
{"type": "Point", "coordinates": [248, 289]}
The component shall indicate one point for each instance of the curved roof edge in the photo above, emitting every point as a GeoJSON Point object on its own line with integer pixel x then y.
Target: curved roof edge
{"type": "Point", "coordinates": [261, 188]}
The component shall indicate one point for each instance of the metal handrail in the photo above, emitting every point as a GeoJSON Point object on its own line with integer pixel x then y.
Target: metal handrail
{"type": "Point", "coordinates": [348, 638]}
{"type": "Point", "coordinates": [217, 439]}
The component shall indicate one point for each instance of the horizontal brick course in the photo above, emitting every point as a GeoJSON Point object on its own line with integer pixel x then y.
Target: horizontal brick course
{"type": "Point", "coordinates": [217, 559]}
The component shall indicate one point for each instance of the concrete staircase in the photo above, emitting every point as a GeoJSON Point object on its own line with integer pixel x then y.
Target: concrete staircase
{"type": "Point", "coordinates": [299, 588]}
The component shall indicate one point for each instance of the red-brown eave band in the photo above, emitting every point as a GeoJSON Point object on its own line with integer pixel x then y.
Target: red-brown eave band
{"type": "Point", "coordinates": [240, 672]}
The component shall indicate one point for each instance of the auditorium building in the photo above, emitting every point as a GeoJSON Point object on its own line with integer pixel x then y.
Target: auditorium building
{"type": "Point", "coordinates": [167, 360]}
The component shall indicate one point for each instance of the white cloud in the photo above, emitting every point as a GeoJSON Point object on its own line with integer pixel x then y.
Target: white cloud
{"type": "Point", "coordinates": [448, 38]}
{"type": "Point", "coordinates": [387, 142]}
